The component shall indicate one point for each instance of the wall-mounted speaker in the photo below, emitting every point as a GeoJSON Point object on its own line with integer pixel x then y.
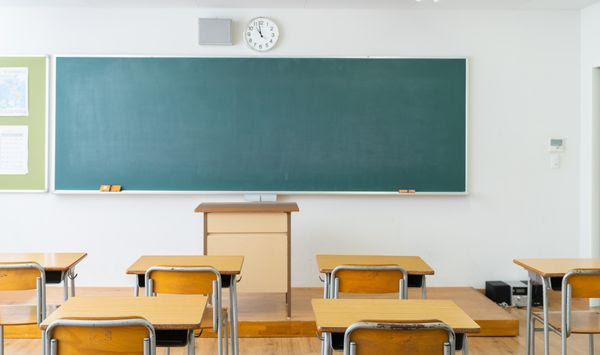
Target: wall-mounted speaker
{"type": "Point", "coordinates": [214, 31]}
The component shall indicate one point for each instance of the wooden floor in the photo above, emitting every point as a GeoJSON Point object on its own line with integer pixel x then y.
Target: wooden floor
{"type": "Point", "coordinates": [310, 345]}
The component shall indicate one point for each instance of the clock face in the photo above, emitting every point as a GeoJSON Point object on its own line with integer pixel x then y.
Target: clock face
{"type": "Point", "coordinates": [261, 34]}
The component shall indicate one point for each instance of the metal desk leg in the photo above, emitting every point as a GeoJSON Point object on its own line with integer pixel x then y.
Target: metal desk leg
{"type": "Point", "coordinates": [72, 276]}
{"type": "Point", "coordinates": [529, 336]}
{"type": "Point", "coordinates": [423, 289]}
{"type": "Point", "coordinates": [235, 344]}
{"type": "Point", "coordinates": [66, 284]}
{"type": "Point", "coordinates": [546, 329]}
{"type": "Point", "coordinates": [136, 289]}
{"type": "Point", "coordinates": [191, 348]}
{"type": "Point", "coordinates": [326, 286]}
{"type": "Point", "coordinates": [465, 349]}
{"type": "Point", "coordinates": [326, 343]}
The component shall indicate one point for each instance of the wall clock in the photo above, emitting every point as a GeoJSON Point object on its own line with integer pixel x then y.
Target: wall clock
{"type": "Point", "coordinates": [261, 34]}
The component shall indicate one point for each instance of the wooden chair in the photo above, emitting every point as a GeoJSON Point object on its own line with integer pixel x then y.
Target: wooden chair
{"type": "Point", "coordinates": [19, 277]}
{"type": "Point", "coordinates": [130, 335]}
{"type": "Point", "coordinates": [204, 280]}
{"type": "Point", "coordinates": [578, 283]}
{"type": "Point", "coordinates": [420, 338]}
{"type": "Point", "coordinates": [369, 279]}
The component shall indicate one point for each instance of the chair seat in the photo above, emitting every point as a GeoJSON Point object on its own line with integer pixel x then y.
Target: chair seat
{"type": "Point", "coordinates": [582, 322]}
{"type": "Point", "coordinates": [21, 314]}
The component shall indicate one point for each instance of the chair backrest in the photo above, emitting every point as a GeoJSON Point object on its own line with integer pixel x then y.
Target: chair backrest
{"type": "Point", "coordinates": [369, 279]}
{"type": "Point", "coordinates": [415, 338]}
{"type": "Point", "coordinates": [25, 276]}
{"type": "Point", "coordinates": [20, 276]}
{"type": "Point", "coordinates": [130, 335]}
{"type": "Point", "coordinates": [204, 280]}
{"type": "Point", "coordinates": [189, 280]}
{"type": "Point", "coordinates": [578, 283]}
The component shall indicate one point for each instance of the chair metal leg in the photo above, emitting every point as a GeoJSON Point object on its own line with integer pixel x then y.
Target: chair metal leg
{"type": "Point", "coordinates": [465, 349]}
{"type": "Point", "coordinates": [219, 335]}
{"type": "Point", "coordinates": [235, 347]}
{"type": "Point", "coordinates": [226, 320]}
{"type": "Point", "coordinates": [168, 351]}
{"type": "Point", "coordinates": [1, 340]}
{"type": "Point", "coordinates": [532, 331]}
{"type": "Point", "coordinates": [530, 334]}
{"type": "Point", "coordinates": [423, 289]}
{"type": "Point", "coordinates": [591, 344]}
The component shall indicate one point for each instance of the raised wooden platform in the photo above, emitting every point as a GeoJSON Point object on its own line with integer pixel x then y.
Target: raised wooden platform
{"type": "Point", "coordinates": [264, 315]}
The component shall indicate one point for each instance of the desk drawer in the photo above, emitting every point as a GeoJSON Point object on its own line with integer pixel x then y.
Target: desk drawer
{"type": "Point", "coordinates": [246, 222]}
{"type": "Point", "coordinates": [265, 259]}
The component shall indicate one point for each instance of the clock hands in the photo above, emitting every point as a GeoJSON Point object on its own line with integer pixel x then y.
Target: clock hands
{"type": "Point", "coordinates": [260, 32]}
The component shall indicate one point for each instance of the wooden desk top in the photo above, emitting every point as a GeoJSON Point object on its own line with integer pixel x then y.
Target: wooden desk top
{"type": "Point", "coordinates": [227, 265]}
{"type": "Point", "coordinates": [556, 267]}
{"type": "Point", "coordinates": [335, 315]}
{"type": "Point", "coordinates": [248, 207]}
{"type": "Point", "coordinates": [49, 261]}
{"type": "Point", "coordinates": [162, 311]}
{"type": "Point", "coordinates": [414, 265]}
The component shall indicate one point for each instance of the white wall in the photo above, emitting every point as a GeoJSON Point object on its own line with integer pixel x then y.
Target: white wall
{"type": "Point", "coordinates": [524, 89]}
{"type": "Point", "coordinates": [590, 132]}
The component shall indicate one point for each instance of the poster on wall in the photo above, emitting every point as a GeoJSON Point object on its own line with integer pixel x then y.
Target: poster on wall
{"type": "Point", "coordinates": [14, 100]}
{"type": "Point", "coordinates": [14, 150]}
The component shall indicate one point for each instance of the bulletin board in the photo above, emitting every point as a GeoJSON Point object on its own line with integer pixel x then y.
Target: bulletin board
{"type": "Point", "coordinates": [23, 123]}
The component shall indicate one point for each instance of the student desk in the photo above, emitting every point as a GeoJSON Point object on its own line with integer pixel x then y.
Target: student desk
{"type": "Point", "coordinates": [58, 266]}
{"type": "Point", "coordinates": [548, 272]}
{"type": "Point", "coordinates": [228, 267]}
{"type": "Point", "coordinates": [172, 317]}
{"type": "Point", "coordinates": [416, 268]}
{"type": "Point", "coordinates": [333, 316]}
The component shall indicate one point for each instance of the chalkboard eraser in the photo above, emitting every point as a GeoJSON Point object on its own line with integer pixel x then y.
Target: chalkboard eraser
{"type": "Point", "coordinates": [104, 188]}
{"type": "Point", "coordinates": [115, 188]}
{"type": "Point", "coordinates": [407, 191]}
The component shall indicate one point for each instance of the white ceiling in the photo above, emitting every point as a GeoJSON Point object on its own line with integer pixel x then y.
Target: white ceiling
{"type": "Point", "coordinates": [321, 4]}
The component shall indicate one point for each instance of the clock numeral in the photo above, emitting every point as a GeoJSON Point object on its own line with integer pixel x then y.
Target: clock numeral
{"type": "Point", "coordinates": [272, 34]}
{"type": "Point", "coordinates": [271, 40]}
{"type": "Point", "coordinates": [249, 40]}
{"type": "Point", "coordinates": [267, 45]}
{"type": "Point", "coordinates": [260, 47]}
{"type": "Point", "coordinates": [250, 28]}
{"type": "Point", "coordinates": [248, 34]}
{"type": "Point", "coordinates": [271, 28]}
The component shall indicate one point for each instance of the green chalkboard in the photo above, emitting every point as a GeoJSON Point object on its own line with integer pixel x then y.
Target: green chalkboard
{"type": "Point", "coordinates": [36, 121]}
{"type": "Point", "coordinates": [261, 124]}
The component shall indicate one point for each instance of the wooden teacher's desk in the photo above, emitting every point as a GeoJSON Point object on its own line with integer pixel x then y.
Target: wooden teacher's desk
{"type": "Point", "coordinates": [261, 232]}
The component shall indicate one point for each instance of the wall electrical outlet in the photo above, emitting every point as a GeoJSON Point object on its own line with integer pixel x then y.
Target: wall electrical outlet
{"type": "Point", "coordinates": [555, 161]}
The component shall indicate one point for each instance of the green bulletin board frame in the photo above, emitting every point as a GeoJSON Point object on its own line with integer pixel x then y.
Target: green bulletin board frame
{"type": "Point", "coordinates": [36, 180]}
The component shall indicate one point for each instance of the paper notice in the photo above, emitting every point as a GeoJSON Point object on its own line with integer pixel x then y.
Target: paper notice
{"type": "Point", "coordinates": [13, 150]}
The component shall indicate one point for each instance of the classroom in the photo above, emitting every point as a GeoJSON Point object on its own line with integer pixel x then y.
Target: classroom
{"type": "Point", "coordinates": [299, 177]}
